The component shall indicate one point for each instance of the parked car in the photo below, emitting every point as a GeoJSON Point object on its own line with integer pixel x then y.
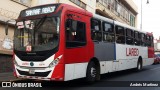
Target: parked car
{"type": "Point", "coordinates": [157, 58]}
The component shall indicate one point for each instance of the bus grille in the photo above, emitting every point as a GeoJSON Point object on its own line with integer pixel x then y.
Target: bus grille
{"type": "Point", "coordinates": [40, 74]}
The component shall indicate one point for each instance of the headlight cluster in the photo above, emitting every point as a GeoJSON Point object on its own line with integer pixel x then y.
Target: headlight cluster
{"type": "Point", "coordinates": [55, 62]}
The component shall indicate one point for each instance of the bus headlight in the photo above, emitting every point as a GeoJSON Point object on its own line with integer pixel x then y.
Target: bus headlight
{"type": "Point", "coordinates": [55, 62]}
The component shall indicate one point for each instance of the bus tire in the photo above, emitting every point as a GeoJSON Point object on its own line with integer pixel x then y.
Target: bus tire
{"type": "Point", "coordinates": [92, 73]}
{"type": "Point", "coordinates": [139, 65]}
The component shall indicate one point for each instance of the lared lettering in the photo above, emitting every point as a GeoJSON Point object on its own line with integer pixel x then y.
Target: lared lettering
{"type": "Point", "coordinates": [132, 52]}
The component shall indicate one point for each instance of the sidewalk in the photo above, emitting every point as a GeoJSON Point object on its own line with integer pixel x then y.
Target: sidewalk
{"type": "Point", "coordinates": [7, 76]}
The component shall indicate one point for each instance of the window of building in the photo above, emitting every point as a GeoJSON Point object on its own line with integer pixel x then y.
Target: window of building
{"type": "Point", "coordinates": [79, 3]}
{"type": "Point", "coordinates": [122, 11]}
{"type": "Point", "coordinates": [101, 1]}
{"type": "Point", "coordinates": [126, 15]}
{"type": "Point", "coordinates": [24, 2]}
{"type": "Point", "coordinates": [83, 5]}
{"type": "Point", "coordinates": [129, 36]}
{"type": "Point", "coordinates": [137, 38]}
{"type": "Point", "coordinates": [108, 32]}
{"type": "Point", "coordinates": [41, 2]}
{"type": "Point", "coordinates": [119, 9]}
{"type": "Point", "coordinates": [72, 0]}
{"type": "Point", "coordinates": [120, 34]}
{"type": "Point", "coordinates": [105, 2]}
{"type": "Point", "coordinates": [75, 33]}
{"type": "Point", "coordinates": [116, 6]}
{"type": "Point", "coordinates": [112, 4]}
{"type": "Point", "coordinates": [132, 20]}
{"type": "Point", "coordinates": [109, 4]}
{"type": "Point", "coordinates": [96, 33]}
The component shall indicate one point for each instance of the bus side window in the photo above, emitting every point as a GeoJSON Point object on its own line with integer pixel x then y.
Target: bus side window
{"type": "Point", "coordinates": [120, 35]}
{"type": "Point", "coordinates": [96, 33]}
{"type": "Point", "coordinates": [152, 44]}
{"type": "Point", "coordinates": [108, 32]}
{"type": "Point", "coordinates": [143, 39]}
{"type": "Point", "coordinates": [148, 40]}
{"type": "Point", "coordinates": [137, 38]}
{"type": "Point", "coordinates": [129, 37]}
{"type": "Point", "coordinates": [75, 33]}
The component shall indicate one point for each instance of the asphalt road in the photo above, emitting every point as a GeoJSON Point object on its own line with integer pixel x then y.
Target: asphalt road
{"type": "Point", "coordinates": [112, 81]}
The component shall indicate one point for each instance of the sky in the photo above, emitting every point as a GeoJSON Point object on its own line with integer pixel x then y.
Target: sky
{"type": "Point", "coordinates": [150, 16]}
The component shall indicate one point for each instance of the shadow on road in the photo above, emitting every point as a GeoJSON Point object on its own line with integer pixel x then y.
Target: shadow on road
{"type": "Point", "coordinates": [110, 76]}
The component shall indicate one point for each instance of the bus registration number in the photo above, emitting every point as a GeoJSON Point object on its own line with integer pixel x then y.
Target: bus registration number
{"type": "Point", "coordinates": [31, 71]}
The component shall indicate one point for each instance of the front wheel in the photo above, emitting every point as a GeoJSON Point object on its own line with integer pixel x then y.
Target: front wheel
{"type": "Point", "coordinates": [93, 72]}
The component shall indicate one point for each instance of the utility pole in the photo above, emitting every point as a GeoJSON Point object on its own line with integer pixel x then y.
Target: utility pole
{"type": "Point", "coordinates": [142, 12]}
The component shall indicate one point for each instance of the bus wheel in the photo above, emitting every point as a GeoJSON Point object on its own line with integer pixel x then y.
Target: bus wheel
{"type": "Point", "coordinates": [92, 72]}
{"type": "Point", "coordinates": [139, 66]}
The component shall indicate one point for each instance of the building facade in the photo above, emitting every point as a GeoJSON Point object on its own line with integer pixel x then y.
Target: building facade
{"type": "Point", "coordinates": [9, 9]}
{"type": "Point", "coordinates": [124, 11]}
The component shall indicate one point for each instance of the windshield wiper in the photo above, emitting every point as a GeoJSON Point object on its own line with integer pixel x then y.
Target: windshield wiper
{"type": "Point", "coordinates": [37, 26]}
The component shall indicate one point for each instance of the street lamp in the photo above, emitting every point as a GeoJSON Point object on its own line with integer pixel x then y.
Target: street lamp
{"type": "Point", "coordinates": [141, 12]}
{"type": "Point", "coordinates": [147, 1]}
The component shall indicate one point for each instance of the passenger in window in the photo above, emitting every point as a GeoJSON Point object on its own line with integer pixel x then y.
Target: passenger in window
{"type": "Point", "coordinates": [120, 36]}
{"type": "Point", "coordinates": [97, 28]}
{"type": "Point", "coordinates": [109, 38]}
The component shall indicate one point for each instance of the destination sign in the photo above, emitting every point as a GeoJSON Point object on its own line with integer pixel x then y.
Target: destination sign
{"type": "Point", "coordinates": [38, 11]}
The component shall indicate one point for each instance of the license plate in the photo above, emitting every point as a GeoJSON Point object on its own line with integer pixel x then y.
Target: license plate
{"type": "Point", "coordinates": [31, 71]}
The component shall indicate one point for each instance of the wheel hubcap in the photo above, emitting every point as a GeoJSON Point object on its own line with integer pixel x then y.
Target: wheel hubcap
{"type": "Point", "coordinates": [139, 66]}
{"type": "Point", "coordinates": [93, 72]}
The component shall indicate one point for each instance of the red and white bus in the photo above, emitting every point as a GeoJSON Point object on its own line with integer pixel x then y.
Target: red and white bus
{"type": "Point", "coordinates": [61, 42]}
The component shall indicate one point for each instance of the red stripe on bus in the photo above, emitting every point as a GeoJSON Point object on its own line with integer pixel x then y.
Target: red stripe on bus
{"type": "Point", "coordinates": [150, 52]}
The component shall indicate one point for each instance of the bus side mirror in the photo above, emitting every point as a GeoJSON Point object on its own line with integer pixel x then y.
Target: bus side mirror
{"type": "Point", "coordinates": [6, 28]}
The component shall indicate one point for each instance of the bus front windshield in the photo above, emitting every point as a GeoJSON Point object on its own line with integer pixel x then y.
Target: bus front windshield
{"type": "Point", "coordinates": [41, 34]}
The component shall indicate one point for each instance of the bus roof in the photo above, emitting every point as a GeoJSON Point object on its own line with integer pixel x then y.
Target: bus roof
{"type": "Point", "coordinates": [102, 18]}
{"type": "Point", "coordinates": [129, 27]}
